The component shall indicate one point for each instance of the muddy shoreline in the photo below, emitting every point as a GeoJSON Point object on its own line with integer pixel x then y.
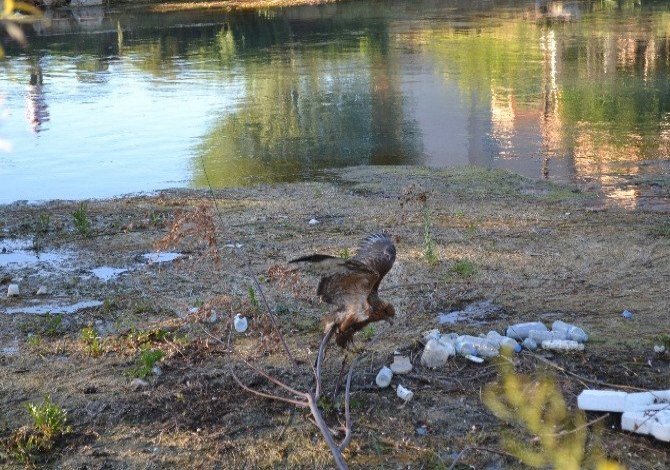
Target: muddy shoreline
{"type": "Point", "coordinates": [537, 250]}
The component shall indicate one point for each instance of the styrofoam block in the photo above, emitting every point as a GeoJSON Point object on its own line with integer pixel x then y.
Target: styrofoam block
{"type": "Point", "coordinates": [619, 402]}
{"type": "Point", "coordinates": [654, 423]}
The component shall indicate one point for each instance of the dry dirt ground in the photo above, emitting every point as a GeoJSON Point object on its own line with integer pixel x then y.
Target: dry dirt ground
{"type": "Point", "coordinates": [536, 250]}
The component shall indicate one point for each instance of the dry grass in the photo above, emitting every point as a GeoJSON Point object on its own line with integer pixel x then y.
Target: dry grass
{"type": "Point", "coordinates": [539, 250]}
{"type": "Point", "coordinates": [164, 7]}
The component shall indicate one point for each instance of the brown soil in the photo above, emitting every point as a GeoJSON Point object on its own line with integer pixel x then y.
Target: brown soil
{"type": "Point", "coordinates": [539, 251]}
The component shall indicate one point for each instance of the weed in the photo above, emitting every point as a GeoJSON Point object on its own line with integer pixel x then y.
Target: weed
{"type": "Point", "coordinates": [49, 425]}
{"type": "Point", "coordinates": [40, 229]}
{"type": "Point", "coordinates": [558, 436]}
{"type": "Point", "coordinates": [91, 340]}
{"type": "Point", "coordinates": [282, 309]}
{"type": "Point", "coordinates": [368, 332]}
{"type": "Point", "coordinates": [326, 404]}
{"type": "Point", "coordinates": [146, 362]}
{"type": "Point", "coordinates": [463, 268]}
{"type": "Point", "coordinates": [34, 341]}
{"type": "Point", "coordinates": [460, 213]}
{"type": "Point", "coordinates": [344, 253]}
{"type": "Point", "coordinates": [143, 307]}
{"type": "Point", "coordinates": [661, 231]}
{"type": "Point", "coordinates": [81, 221]}
{"type": "Point", "coordinates": [53, 325]}
{"type": "Point", "coordinates": [429, 251]}
{"type": "Point", "coordinates": [108, 305]}
{"type": "Point", "coordinates": [144, 337]}
{"type": "Point", "coordinates": [251, 293]}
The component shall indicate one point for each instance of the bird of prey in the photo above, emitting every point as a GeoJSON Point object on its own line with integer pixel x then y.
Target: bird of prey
{"type": "Point", "coordinates": [351, 285]}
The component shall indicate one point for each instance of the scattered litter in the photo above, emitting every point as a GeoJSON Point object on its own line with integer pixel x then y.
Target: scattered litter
{"type": "Point", "coordinates": [430, 334]}
{"type": "Point", "coordinates": [384, 377]}
{"type": "Point", "coordinates": [571, 331]}
{"type": "Point", "coordinates": [643, 412]}
{"type": "Point", "coordinates": [139, 383]}
{"type": "Point", "coordinates": [42, 290]}
{"type": "Point", "coordinates": [161, 257]}
{"type": "Point", "coordinates": [659, 348]}
{"type": "Point", "coordinates": [530, 344]}
{"type": "Point", "coordinates": [472, 358]}
{"type": "Point", "coordinates": [540, 336]}
{"type": "Point", "coordinates": [627, 314]}
{"type": "Point", "coordinates": [503, 341]}
{"type": "Point", "coordinates": [234, 245]}
{"type": "Point", "coordinates": [313, 222]}
{"type": "Point", "coordinates": [156, 371]}
{"type": "Point", "coordinates": [13, 290]}
{"type": "Point", "coordinates": [213, 318]}
{"type": "Point", "coordinates": [422, 430]}
{"type": "Point", "coordinates": [562, 345]}
{"type": "Point", "coordinates": [401, 365]}
{"type": "Point", "coordinates": [404, 393]}
{"type": "Point", "coordinates": [522, 330]}
{"type": "Point", "coordinates": [240, 323]}
{"type": "Point", "coordinates": [467, 345]}
{"type": "Point", "coordinates": [436, 353]}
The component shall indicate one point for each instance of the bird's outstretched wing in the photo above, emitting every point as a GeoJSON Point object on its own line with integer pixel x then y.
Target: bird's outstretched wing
{"type": "Point", "coordinates": [378, 252]}
{"type": "Point", "coordinates": [345, 283]}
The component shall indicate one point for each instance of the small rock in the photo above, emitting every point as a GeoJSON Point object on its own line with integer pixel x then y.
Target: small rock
{"type": "Point", "coordinates": [139, 383]}
{"type": "Point", "coordinates": [401, 365]}
{"type": "Point", "coordinates": [13, 290]}
{"type": "Point", "coordinates": [627, 314]}
{"type": "Point", "coordinates": [240, 323]}
{"type": "Point", "coordinates": [404, 393]}
{"type": "Point", "coordinates": [42, 290]}
{"type": "Point", "coordinates": [435, 354]}
{"type": "Point", "coordinates": [313, 222]}
{"type": "Point", "coordinates": [157, 371]}
{"type": "Point", "coordinates": [384, 377]}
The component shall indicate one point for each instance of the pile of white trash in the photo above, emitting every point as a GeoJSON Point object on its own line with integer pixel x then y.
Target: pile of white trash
{"type": "Point", "coordinates": [440, 347]}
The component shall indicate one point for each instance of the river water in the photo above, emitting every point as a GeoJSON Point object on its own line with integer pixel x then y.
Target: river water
{"type": "Point", "coordinates": [106, 102]}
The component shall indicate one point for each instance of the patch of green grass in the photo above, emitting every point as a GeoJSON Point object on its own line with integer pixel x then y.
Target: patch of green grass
{"type": "Point", "coordinates": [344, 253]}
{"type": "Point", "coordinates": [661, 231]}
{"type": "Point", "coordinates": [368, 332]}
{"type": "Point", "coordinates": [81, 221]}
{"type": "Point", "coordinates": [144, 337]}
{"type": "Point", "coordinates": [463, 268]}
{"type": "Point", "coordinates": [143, 307]}
{"type": "Point", "coordinates": [281, 309]}
{"type": "Point", "coordinates": [145, 363]}
{"type": "Point", "coordinates": [53, 325]}
{"type": "Point", "coordinates": [429, 250]}
{"type": "Point", "coordinates": [251, 294]}
{"type": "Point", "coordinates": [91, 340]}
{"type": "Point", "coordinates": [34, 341]}
{"type": "Point", "coordinates": [49, 424]}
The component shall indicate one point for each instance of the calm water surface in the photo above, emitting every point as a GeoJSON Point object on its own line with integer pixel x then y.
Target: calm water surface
{"type": "Point", "coordinates": [106, 102]}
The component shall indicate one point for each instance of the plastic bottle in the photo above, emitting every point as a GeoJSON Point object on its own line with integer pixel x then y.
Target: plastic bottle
{"type": "Point", "coordinates": [404, 393]}
{"type": "Point", "coordinates": [503, 341]}
{"type": "Point", "coordinates": [540, 336]}
{"type": "Point", "coordinates": [562, 345]}
{"type": "Point", "coordinates": [435, 354]}
{"type": "Point", "coordinates": [530, 344]}
{"type": "Point", "coordinates": [384, 377]}
{"type": "Point", "coordinates": [522, 330]}
{"type": "Point", "coordinates": [240, 323]}
{"type": "Point", "coordinates": [474, 346]}
{"type": "Point", "coordinates": [571, 331]}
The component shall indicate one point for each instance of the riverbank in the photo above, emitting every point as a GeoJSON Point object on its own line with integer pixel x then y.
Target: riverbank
{"type": "Point", "coordinates": [165, 7]}
{"type": "Point", "coordinates": [536, 250]}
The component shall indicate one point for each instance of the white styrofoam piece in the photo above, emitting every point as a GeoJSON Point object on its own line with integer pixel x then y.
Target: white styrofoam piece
{"type": "Point", "coordinates": [619, 402]}
{"type": "Point", "coordinates": [654, 423]}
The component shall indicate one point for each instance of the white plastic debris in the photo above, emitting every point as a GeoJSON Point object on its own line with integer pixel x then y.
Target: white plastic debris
{"type": "Point", "coordinates": [659, 348]}
{"type": "Point", "coordinates": [384, 377]}
{"type": "Point", "coordinates": [404, 393]}
{"type": "Point", "coordinates": [435, 354]}
{"type": "Point", "coordinates": [529, 344]}
{"type": "Point", "coordinates": [467, 345]}
{"type": "Point", "coordinates": [503, 341]}
{"type": "Point", "coordinates": [157, 371]}
{"type": "Point", "coordinates": [562, 345]}
{"type": "Point", "coordinates": [401, 365]}
{"type": "Point", "coordinates": [472, 358]}
{"type": "Point", "coordinates": [139, 383]}
{"type": "Point", "coordinates": [313, 222]}
{"type": "Point", "coordinates": [240, 323]}
{"type": "Point", "coordinates": [541, 336]}
{"type": "Point", "coordinates": [654, 423]}
{"type": "Point", "coordinates": [42, 290]}
{"type": "Point", "coordinates": [213, 318]}
{"type": "Point", "coordinates": [522, 330]}
{"type": "Point", "coordinates": [571, 331]}
{"type": "Point", "coordinates": [643, 412]}
{"type": "Point", "coordinates": [430, 334]}
{"type": "Point", "coordinates": [627, 314]}
{"type": "Point", "coordinates": [13, 290]}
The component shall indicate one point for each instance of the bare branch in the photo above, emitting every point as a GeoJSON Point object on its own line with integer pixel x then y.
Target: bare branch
{"type": "Point", "coordinates": [319, 360]}
{"type": "Point", "coordinates": [347, 409]}
{"type": "Point", "coordinates": [298, 403]}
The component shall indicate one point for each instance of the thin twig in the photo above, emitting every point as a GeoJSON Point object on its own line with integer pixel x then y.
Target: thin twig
{"type": "Point", "coordinates": [578, 428]}
{"type": "Point", "coordinates": [347, 408]}
{"type": "Point", "coordinates": [298, 403]}
{"type": "Point", "coordinates": [319, 359]}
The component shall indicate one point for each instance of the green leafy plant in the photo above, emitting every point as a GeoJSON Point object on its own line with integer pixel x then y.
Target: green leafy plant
{"type": "Point", "coordinates": [547, 433]}
{"type": "Point", "coordinates": [368, 332]}
{"type": "Point", "coordinates": [251, 294]}
{"type": "Point", "coordinates": [146, 362]}
{"type": "Point", "coordinates": [91, 340]}
{"type": "Point", "coordinates": [81, 221]}
{"type": "Point", "coordinates": [53, 325]}
{"type": "Point", "coordinates": [344, 253]}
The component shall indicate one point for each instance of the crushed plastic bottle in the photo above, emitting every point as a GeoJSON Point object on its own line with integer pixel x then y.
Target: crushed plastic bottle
{"type": "Point", "coordinates": [503, 341]}
{"type": "Point", "coordinates": [240, 323]}
{"type": "Point", "coordinates": [540, 336]}
{"type": "Point", "coordinates": [521, 331]}
{"type": "Point", "coordinates": [431, 334]}
{"type": "Point", "coordinates": [435, 354]}
{"type": "Point", "coordinates": [384, 377]}
{"type": "Point", "coordinates": [13, 290]}
{"type": "Point", "coordinates": [404, 393]}
{"type": "Point", "coordinates": [571, 331]}
{"type": "Point", "coordinates": [467, 345]}
{"type": "Point", "coordinates": [562, 345]}
{"type": "Point", "coordinates": [530, 344]}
